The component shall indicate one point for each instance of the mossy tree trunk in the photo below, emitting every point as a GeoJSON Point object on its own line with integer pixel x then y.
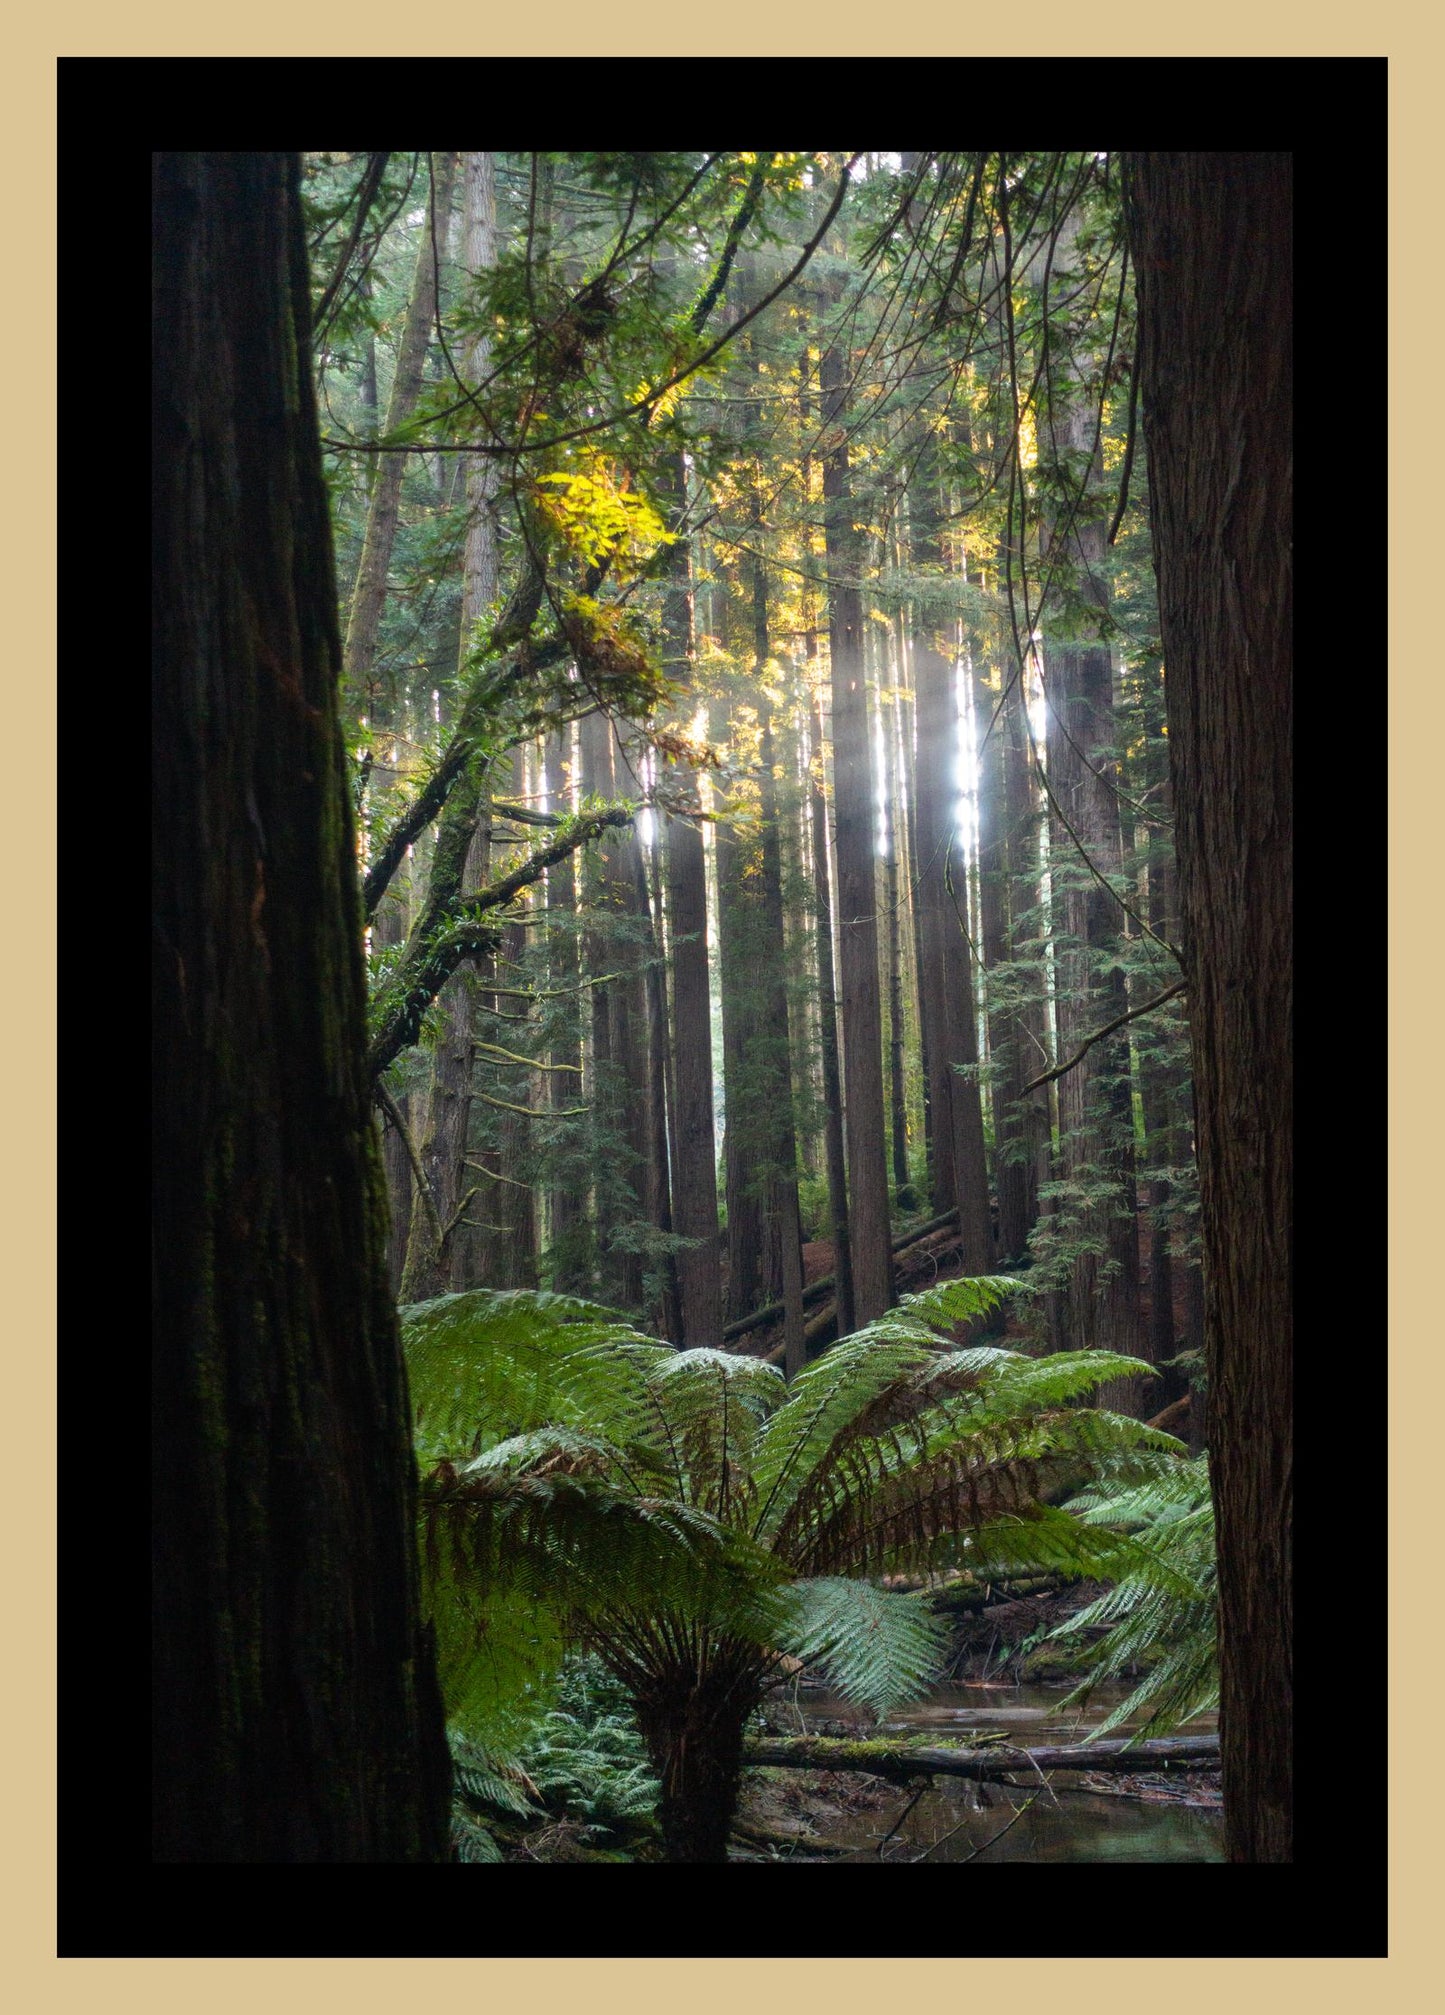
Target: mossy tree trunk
{"type": "Point", "coordinates": [295, 1710]}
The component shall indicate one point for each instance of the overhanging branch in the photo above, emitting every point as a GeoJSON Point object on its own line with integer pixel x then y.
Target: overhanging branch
{"type": "Point", "coordinates": [467, 932]}
{"type": "Point", "coordinates": [1099, 1033]}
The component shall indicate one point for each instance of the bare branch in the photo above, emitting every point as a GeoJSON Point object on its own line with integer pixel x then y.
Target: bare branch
{"type": "Point", "coordinates": [1099, 1034]}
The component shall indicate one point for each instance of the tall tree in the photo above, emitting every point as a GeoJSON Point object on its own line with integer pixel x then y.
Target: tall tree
{"type": "Point", "coordinates": [693, 1147]}
{"type": "Point", "coordinates": [960, 1175]}
{"type": "Point", "coordinates": [437, 1251]}
{"type": "Point", "coordinates": [1096, 1113]}
{"type": "Point", "coordinates": [826, 990]}
{"type": "Point", "coordinates": [295, 1714]}
{"type": "Point", "coordinates": [894, 893]}
{"type": "Point", "coordinates": [369, 590]}
{"type": "Point", "coordinates": [567, 1233]}
{"type": "Point", "coordinates": [1213, 244]}
{"type": "Point", "coordinates": [870, 1245]}
{"type": "Point", "coordinates": [833, 1146]}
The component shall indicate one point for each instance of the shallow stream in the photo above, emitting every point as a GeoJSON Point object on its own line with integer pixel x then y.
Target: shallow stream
{"type": "Point", "coordinates": [1064, 1819]}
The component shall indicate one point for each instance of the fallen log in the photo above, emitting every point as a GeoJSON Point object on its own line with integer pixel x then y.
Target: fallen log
{"type": "Point", "coordinates": [817, 1289]}
{"type": "Point", "coordinates": [997, 1761]}
{"type": "Point", "coordinates": [822, 1329]}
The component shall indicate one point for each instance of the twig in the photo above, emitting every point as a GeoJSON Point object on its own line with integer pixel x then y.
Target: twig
{"type": "Point", "coordinates": [1013, 1820]}
{"type": "Point", "coordinates": [925, 1784]}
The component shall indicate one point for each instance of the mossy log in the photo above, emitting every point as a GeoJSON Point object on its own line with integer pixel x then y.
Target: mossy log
{"type": "Point", "coordinates": [990, 1764]}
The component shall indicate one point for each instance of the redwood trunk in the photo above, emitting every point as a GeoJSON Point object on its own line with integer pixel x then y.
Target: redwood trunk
{"type": "Point", "coordinates": [1213, 246]}
{"type": "Point", "coordinates": [295, 1712]}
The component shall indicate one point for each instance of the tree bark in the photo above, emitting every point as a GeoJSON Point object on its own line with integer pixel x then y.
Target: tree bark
{"type": "Point", "coordinates": [622, 855]}
{"type": "Point", "coordinates": [783, 1151]}
{"type": "Point", "coordinates": [1212, 238]}
{"type": "Point", "coordinates": [506, 1249]}
{"type": "Point", "coordinates": [295, 1710]}
{"type": "Point", "coordinates": [1024, 1044]}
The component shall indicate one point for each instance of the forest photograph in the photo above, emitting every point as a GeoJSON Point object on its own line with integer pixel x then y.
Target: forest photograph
{"type": "Point", "coordinates": [722, 987]}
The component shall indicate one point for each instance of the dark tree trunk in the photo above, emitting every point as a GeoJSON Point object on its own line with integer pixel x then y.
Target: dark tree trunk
{"type": "Point", "coordinates": [1030, 1039]}
{"type": "Point", "coordinates": [694, 1145]}
{"type": "Point", "coordinates": [868, 1222]}
{"type": "Point", "coordinates": [1213, 246]}
{"type": "Point", "coordinates": [658, 1199]}
{"type": "Point", "coordinates": [1010, 1053]}
{"type": "Point", "coordinates": [784, 1224]}
{"type": "Point", "coordinates": [295, 1711]}
{"type": "Point", "coordinates": [506, 1250]}
{"type": "Point", "coordinates": [827, 992]}
{"type": "Point", "coordinates": [693, 1726]}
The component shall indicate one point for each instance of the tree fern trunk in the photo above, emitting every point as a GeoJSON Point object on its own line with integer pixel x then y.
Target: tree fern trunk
{"type": "Point", "coordinates": [693, 1726]}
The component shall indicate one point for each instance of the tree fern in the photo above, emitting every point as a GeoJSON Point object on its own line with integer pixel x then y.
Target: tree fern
{"type": "Point", "coordinates": [589, 1485]}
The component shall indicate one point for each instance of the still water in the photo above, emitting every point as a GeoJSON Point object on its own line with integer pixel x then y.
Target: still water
{"type": "Point", "coordinates": [959, 1821]}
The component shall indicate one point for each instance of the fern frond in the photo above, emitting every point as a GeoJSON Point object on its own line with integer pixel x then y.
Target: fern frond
{"type": "Point", "coordinates": [877, 1646]}
{"type": "Point", "coordinates": [963, 1300]}
{"type": "Point", "coordinates": [486, 1364]}
{"type": "Point", "coordinates": [1164, 1597]}
{"type": "Point", "coordinates": [490, 1776]}
{"type": "Point", "coordinates": [714, 1401]}
{"type": "Point", "coordinates": [471, 1840]}
{"type": "Point", "coordinates": [827, 1404]}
